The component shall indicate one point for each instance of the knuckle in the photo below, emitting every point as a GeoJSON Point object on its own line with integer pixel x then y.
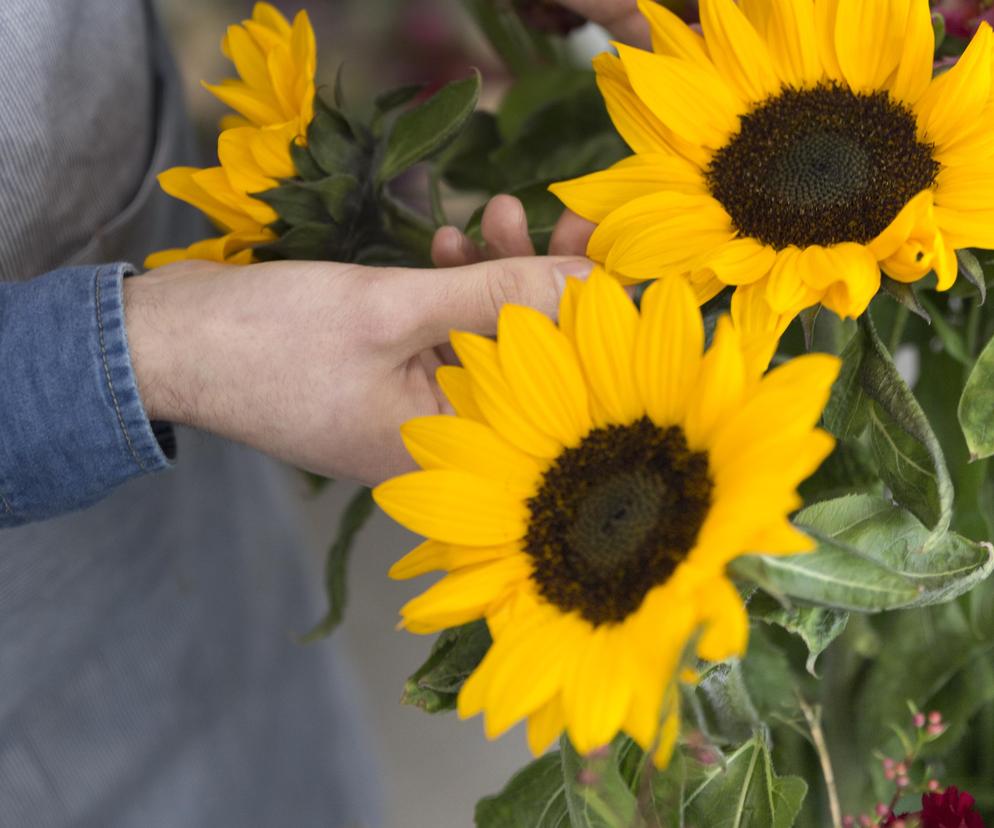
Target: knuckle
{"type": "Point", "coordinates": [502, 285]}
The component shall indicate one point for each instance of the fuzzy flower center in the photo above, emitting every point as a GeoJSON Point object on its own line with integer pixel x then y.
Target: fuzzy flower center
{"type": "Point", "coordinates": [615, 516]}
{"type": "Point", "coordinates": [821, 166]}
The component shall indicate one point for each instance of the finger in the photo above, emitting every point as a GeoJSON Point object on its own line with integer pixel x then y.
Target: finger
{"type": "Point", "coordinates": [432, 303]}
{"type": "Point", "coordinates": [505, 228]}
{"type": "Point", "coordinates": [452, 248]}
{"type": "Point", "coordinates": [570, 236]}
{"type": "Point", "coordinates": [620, 17]}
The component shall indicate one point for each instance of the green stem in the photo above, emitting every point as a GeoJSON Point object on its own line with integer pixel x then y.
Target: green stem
{"type": "Point", "coordinates": [813, 717]}
{"type": "Point", "coordinates": [506, 34]}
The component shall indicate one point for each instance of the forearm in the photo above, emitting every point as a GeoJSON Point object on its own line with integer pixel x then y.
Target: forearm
{"type": "Point", "coordinates": [74, 426]}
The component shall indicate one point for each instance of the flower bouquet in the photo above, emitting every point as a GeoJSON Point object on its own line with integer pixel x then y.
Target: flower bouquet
{"type": "Point", "coordinates": [720, 533]}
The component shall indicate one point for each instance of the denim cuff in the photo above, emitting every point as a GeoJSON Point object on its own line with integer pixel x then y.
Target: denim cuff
{"type": "Point", "coordinates": [74, 424]}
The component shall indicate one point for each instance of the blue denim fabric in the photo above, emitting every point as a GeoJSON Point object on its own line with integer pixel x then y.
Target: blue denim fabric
{"type": "Point", "coordinates": [72, 425]}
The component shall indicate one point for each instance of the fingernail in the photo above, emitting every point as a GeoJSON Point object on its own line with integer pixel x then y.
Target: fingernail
{"type": "Point", "coordinates": [577, 269]}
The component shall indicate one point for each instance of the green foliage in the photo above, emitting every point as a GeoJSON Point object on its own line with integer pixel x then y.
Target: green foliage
{"type": "Point", "coordinates": [435, 685]}
{"type": "Point", "coordinates": [426, 129]}
{"type": "Point", "coordinates": [357, 513]}
{"type": "Point", "coordinates": [976, 406]}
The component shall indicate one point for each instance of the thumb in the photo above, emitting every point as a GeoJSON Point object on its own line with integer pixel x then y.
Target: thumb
{"type": "Point", "coordinates": [470, 298]}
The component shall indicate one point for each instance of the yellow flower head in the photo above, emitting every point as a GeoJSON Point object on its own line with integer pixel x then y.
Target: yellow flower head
{"type": "Point", "coordinates": [276, 62]}
{"type": "Point", "coordinates": [792, 151]}
{"type": "Point", "coordinates": [585, 500]}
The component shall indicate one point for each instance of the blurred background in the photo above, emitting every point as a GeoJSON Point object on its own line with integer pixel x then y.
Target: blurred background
{"type": "Point", "coordinates": [432, 769]}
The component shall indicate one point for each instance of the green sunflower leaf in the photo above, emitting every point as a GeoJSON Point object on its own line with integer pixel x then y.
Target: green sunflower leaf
{"type": "Point", "coordinates": [908, 454]}
{"type": "Point", "coordinates": [872, 556]}
{"type": "Point", "coordinates": [535, 797]}
{"type": "Point", "coordinates": [425, 130]}
{"type": "Point", "coordinates": [744, 792]}
{"type": "Point", "coordinates": [358, 510]}
{"type": "Point", "coordinates": [455, 654]}
{"type": "Point", "coordinates": [973, 271]}
{"type": "Point", "coordinates": [976, 406]}
{"type": "Point", "coordinates": [817, 627]}
{"type": "Point", "coordinates": [294, 203]}
{"type": "Point", "coordinates": [314, 241]}
{"type": "Point", "coordinates": [597, 795]}
{"type": "Point", "coordinates": [846, 414]}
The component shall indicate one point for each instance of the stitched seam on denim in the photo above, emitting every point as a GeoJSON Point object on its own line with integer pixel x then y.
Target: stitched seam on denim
{"type": "Point", "coordinates": [110, 384]}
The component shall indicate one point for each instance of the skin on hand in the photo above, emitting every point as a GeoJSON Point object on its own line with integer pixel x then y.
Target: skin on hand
{"type": "Point", "coordinates": [620, 17]}
{"type": "Point", "coordinates": [317, 363]}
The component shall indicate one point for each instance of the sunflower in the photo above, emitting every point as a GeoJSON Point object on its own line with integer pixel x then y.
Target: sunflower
{"type": "Point", "coordinates": [274, 94]}
{"type": "Point", "coordinates": [585, 499]}
{"type": "Point", "coordinates": [276, 62]}
{"type": "Point", "coordinates": [793, 151]}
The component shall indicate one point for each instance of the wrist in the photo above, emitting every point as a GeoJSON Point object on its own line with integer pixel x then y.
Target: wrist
{"type": "Point", "coordinates": [158, 342]}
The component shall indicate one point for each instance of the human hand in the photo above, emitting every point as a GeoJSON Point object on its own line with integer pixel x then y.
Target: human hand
{"type": "Point", "coordinates": [505, 233]}
{"type": "Point", "coordinates": [315, 363]}
{"type": "Point", "coordinates": [620, 17]}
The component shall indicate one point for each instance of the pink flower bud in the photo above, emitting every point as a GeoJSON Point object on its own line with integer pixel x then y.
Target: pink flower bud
{"type": "Point", "coordinates": [888, 763]}
{"type": "Point", "coordinates": [935, 729]}
{"type": "Point", "coordinates": [903, 781]}
{"type": "Point", "coordinates": [935, 717]}
{"type": "Point", "coordinates": [919, 720]}
{"type": "Point", "coordinates": [933, 785]}
{"type": "Point", "coordinates": [882, 810]}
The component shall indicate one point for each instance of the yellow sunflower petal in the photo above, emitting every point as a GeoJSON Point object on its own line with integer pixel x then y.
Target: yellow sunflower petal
{"type": "Point", "coordinates": [683, 231]}
{"type": "Point", "coordinates": [668, 349]}
{"type": "Point", "coordinates": [215, 182]}
{"type": "Point", "coordinates": [826, 12]}
{"type": "Point", "coordinates": [741, 261]}
{"type": "Point", "coordinates": [433, 555]}
{"type": "Point", "coordinates": [903, 226]}
{"type": "Point", "coordinates": [250, 62]}
{"type": "Point", "coordinates": [441, 442]}
{"type": "Point", "coordinates": [869, 40]}
{"type": "Point", "coordinates": [596, 195]}
{"type": "Point", "coordinates": [235, 154]}
{"type": "Point", "coordinates": [914, 72]}
{"type": "Point", "coordinates": [690, 100]}
{"type": "Point", "coordinates": [961, 228]}
{"type": "Point", "coordinates": [781, 538]}
{"type": "Point", "coordinates": [737, 50]}
{"type": "Point", "coordinates": [457, 385]}
{"type": "Point", "coordinates": [785, 289]}
{"type": "Point", "coordinates": [530, 670]}
{"type": "Point", "coordinates": [596, 696]}
{"type": "Point", "coordinates": [541, 370]}
{"type": "Point", "coordinates": [847, 273]}
{"type": "Point", "coordinates": [464, 595]}
{"type": "Point", "coordinates": [668, 734]}
{"type": "Point", "coordinates": [640, 129]}
{"type": "Point", "coordinates": [726, 630]}
{"type": "Point", "coordinates": [606, 329]}
{"type": "Point", "coordinates": [568, 303]}
{"type": "Point", "coordinates": [455, 507]}
{"type": "Point", "coordinates": [272, 18]}
{"type": "Point", "coordinates": [187, 184]}
{"type": "Point", "coordinates": [793, 42]}
{"type": "Point", "coordinates": [254, 105]}
{"type": "Point", "coordinates": [722, 383]}
{"type": "Point", "coordinates": [953, 101]}
{"type": "Point", "coordinates": [545, 725]}
{"type": "Point", "coordinates": [495, 398]}
{"type": "Point", "coordinates": [671, 36]}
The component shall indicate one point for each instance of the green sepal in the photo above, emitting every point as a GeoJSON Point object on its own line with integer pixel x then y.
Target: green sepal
{"type": "Point", "coordinates": [971, 270]}
{"type": "Point", "coordinates": [336, 193]}
{"type": "Point", "coordinates": [331, 142]}
{"type": "Point", "coordinates": [435, 686]}
{"type": "Point", "coordinates": [307, 242]}
{"type": "Point", "coordinates": [304, 163]}
{"type": "Point", "coordinates": [428, 128]}
{"type": "Point", "coordinates": [976, 406]}
{"type": "Point", "coordinates": [906, 295]}
{"type": "Point", "coordinates": [294, 203]}
{"type": "Point", "coordinates": [357, 512]}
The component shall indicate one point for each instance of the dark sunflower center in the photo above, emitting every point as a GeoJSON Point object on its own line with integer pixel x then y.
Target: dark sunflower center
{"type": "Point", "coordinates": [821, 166]}
{"type": "Point", "coordinates": [615, 516]}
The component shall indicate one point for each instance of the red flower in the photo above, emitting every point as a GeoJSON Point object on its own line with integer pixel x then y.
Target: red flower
{"type": "Point", "coordinates": [950, 809]}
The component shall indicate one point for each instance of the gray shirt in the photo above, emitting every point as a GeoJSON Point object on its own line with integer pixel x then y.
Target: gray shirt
{"type": "Point", "coordinates": [148, 675]}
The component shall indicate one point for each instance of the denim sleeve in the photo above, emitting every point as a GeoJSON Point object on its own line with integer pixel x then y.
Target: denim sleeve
{"type": "Point", "coordinates": [72, 426]}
